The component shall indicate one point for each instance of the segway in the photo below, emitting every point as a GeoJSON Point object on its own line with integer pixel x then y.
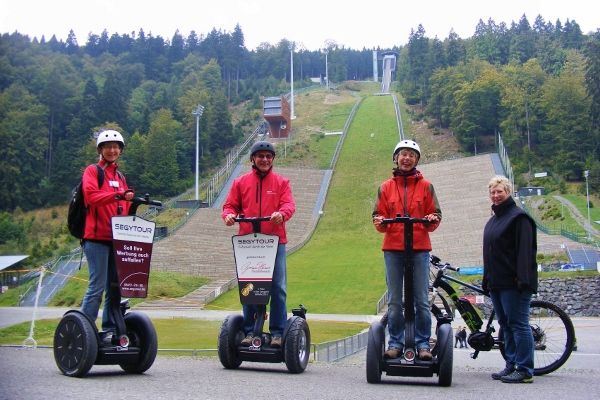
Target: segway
{"type": "Point", "coordinates": [78, 344]}
{"type": "Point", "coordinates": [408, 364]}
{"type": "Point", "coordinates": [255, 261]}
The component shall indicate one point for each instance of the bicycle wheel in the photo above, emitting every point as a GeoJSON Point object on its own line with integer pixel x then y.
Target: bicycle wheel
{"type": "Point", "coordinates": [553, 336]}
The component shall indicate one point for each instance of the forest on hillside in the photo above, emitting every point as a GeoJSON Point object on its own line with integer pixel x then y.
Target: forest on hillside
{"type": "Point", "coordinates": [537, 85]}
{"type": "Point", "coordinates": [54, 96]}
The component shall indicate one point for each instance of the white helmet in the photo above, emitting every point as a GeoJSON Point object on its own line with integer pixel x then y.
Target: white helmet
{"type": "Point", "coordinates": [110, 135]}
{"type": "Point", "coordinates": [406, 144]}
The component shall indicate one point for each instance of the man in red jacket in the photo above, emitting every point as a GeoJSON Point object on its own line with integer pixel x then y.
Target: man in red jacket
{"type": "Point", "coordinates": [259, 193]}
{"type": "Point", "coordinates": [407, 193]}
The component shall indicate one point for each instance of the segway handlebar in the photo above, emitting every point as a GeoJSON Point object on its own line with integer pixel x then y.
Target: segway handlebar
{"type": "Point", "coordinates": [242, 218]}
{"type": "Point", "coordinates": [399, 219]}
{"type": "Point", "coordinates": [436, 262]}
{"type": "Point", "coordinates": [255, 221]}
{"type": "Point", "coordinates": [137, 201]}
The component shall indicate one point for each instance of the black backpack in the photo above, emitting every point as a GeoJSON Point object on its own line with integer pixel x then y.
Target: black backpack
{"type": "Point", "coordinates": [77, 209]}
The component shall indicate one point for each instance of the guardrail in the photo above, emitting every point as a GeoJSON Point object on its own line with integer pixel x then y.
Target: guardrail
{"type": "Point", "coordinates": [398, 117]}
{"type": "Point", "coordinates": [338, 349]}
{"type": "Point", "coordinates": [349, 120]}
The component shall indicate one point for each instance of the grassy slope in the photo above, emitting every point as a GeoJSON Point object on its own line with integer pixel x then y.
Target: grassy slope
{"type": "Point", "coordinates": [341, 269]}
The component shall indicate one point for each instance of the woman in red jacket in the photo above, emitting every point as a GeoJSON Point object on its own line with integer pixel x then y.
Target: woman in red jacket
{"type": "Point", "coordinates": [261, 192]}
{"type": "Point", "coordinates": [102, 204]}
{"type": "Point", "coordinates": [409, 194]}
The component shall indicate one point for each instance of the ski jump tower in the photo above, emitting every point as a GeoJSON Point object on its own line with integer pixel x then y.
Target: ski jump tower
{"type": "Point", "coordinates": [276, 111]}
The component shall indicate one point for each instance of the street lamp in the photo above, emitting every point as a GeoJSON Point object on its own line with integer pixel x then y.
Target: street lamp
{"type": "Point", "coordinates": [326, 71]}
{"type": "Point", "coordinates": [198, 113]}
{"type": "Point", "coordinates": [586, 173]}
{"type": "Point", "coordinates": [292, 115]}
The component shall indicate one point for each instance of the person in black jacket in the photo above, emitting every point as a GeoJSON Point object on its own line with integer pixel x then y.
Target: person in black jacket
{"type": "Point", "coordinates": [463, 338]}
{"type": "Point", "coordinates": [510, 276]}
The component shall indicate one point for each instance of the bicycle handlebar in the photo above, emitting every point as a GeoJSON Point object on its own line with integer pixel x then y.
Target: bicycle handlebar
{"type": "Point", "coordinates": [436, 262]}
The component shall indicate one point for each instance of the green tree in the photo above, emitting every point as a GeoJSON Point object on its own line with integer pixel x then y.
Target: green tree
{"type": "Point", "coordinates": [477, 111]}
{"type": "Point", "coordinates": [415, 87]}
{"type": "Point", "coordinates": [455, 49]}
{"type": "Point", "coordinates": [24, 141]}
{"type": "Point", "coordinates": [592, 83]}
{"type": "Point", "coordinates": [522, 111]}
{"type": "Point", "coordinates": [161, 169]}
{"type": "Point", "coordinates": [566, 131]}
{"type": "Point", "coordinates": [136, 162]}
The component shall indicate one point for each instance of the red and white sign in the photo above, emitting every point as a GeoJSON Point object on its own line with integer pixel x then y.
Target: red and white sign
{"type": "Point", "coordinates": [132, 248]}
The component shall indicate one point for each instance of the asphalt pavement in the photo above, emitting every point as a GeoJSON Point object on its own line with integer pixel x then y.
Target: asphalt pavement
{"type": "Point", "coordinates": [32, 374]}
{"type": "Point", "coordinates": [28, 373]}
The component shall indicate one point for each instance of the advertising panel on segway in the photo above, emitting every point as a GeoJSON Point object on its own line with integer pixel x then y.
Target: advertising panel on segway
{"type": "Point", "coordinates": [255, 255]}
{"type": "Point", "coordinates": [78, 344]}
{"type": "Point", "coordinates": [255, 261]}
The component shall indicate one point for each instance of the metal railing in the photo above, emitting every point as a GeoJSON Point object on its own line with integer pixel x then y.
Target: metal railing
{"type": "Point", "coordinates": [349, 120]}
{"type": "Point", "coordinates": [504, 159]}
{"type": "Point", "coordinates": [398, 117]}
{"type": "Point", "coordinates": [338, 349]}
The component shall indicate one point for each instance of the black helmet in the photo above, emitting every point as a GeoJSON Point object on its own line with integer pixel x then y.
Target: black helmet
{"type": "Point", "coordinates": [262, 146]}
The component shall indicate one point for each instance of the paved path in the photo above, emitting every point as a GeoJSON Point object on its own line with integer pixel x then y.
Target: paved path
{"type": "Point", "coordinates": [581, 220]}
{"type": "Point", "coordinates": [32, 374]}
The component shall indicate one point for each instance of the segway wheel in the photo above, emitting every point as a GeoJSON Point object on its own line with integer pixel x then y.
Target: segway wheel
{"type": "Point", "coordinates": [141, 334]}
{"type": "Point", "coordinates": [445, 355]}
{"type": "Point", "coordinates": [230, 336]}
{"type": "Point", "coordinates": [75, 344]}
{"type": "Point", "coordinates": [375, 349]}
{"type": "Point", "coordinates": [297, 346]}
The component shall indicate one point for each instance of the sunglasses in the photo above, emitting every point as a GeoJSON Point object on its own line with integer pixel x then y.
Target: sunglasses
{"type": "Point", "coordinates": [268, 156]}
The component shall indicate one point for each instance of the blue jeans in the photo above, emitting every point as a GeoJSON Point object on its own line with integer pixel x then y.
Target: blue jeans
{"type": "Point", "coordinates": [512, 311]}
{"type": "Point", "coordinates": [101, 265]}
{"type": "Point", "coordinates": [278, 310]}
{"type": "Point", "coordinates": [394, 267]}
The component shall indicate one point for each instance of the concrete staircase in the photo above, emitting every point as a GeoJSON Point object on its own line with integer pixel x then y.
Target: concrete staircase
{"type": "Point", "coordinates": [203, 245]}
{"type": "Point", "coordinates": [461, 188]}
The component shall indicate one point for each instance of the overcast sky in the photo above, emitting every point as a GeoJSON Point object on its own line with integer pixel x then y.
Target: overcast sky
{"type": "Point", "coordinates": [310, 23]}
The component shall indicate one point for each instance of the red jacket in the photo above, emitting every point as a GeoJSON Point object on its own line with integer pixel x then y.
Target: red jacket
{"type": "Point", "coordinates": [412, 195]}
{"type": "Point", "coordinates": [101, 202]}
{"type": "Point", "coordinates": [256, 196]}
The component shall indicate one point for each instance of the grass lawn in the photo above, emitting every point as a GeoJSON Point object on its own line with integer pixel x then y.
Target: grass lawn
{"type": "Point", "coordinates": [161, 285]}
{"type": "Point", "coordinates": [180, 333]}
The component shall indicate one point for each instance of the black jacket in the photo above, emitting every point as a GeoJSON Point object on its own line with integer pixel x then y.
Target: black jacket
{"type": "Point", "coordinates": [509, 249]}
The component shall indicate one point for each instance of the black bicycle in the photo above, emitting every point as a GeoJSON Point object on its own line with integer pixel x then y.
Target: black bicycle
{"type": "Point", "coordinates": [553, 331]}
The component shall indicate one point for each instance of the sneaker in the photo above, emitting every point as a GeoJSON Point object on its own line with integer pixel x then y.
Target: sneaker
{"type": "Point", "coordinates": [106, 338]}
{"type": "Point", "coordinates": [517, 376]}
{"type": "Point", "coordinates": [392, 353]}
{"type": "Point", "coordinates": [425, 354]}
{"type": "Point", "coordinates": [247, 341]}
{"type": "Point", "coordinates": [506, 371]}
{"type": "Point", "coordinates": [276, 341]}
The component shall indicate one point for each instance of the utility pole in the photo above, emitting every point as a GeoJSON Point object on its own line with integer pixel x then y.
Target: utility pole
{"type": "Point", "coordinates": [586, 173]}
{"type": "Point", "coordinates": [198, 113]}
